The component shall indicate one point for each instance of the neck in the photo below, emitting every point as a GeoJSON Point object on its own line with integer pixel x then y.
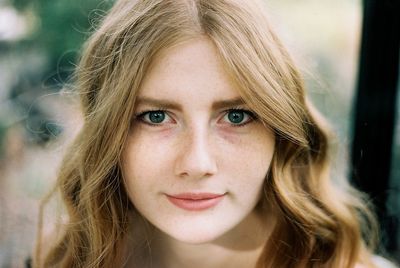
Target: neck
{"type": "Point", "coordinates": [239, 247]}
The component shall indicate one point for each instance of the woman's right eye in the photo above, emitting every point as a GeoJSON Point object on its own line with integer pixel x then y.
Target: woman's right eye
{"type": "Point", "coordinates": [154, 117]}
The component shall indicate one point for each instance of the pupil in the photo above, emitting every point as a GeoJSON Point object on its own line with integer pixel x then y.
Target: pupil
{"type": "Point", "coordinates": [157, 117]}
{"type": "Point", "coordinates": [236, 117]}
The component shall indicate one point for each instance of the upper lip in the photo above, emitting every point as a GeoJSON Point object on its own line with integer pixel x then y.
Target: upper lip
{"type": "Point", "coordinates": [196, 196]}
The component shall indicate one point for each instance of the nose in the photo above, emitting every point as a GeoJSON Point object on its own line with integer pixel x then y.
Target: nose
{"type": "Point", "coordinates": [195, 159]}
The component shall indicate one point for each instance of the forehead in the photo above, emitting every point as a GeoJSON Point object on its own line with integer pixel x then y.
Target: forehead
{"type": "Point", "coordinates": [191, 70]}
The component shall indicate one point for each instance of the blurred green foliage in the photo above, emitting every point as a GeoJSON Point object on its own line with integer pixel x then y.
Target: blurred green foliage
{"type": "Point", "coordinates": [62, 27]}
{"type": "Point", "coordinates": [58, 29]}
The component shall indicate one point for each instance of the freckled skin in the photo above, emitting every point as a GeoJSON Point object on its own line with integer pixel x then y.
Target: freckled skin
{"type": "Point", "coordinates": [195, 149]}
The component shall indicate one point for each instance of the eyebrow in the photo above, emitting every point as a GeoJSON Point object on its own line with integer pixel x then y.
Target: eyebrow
{"type": "Point", "coordinates": [170, 104]}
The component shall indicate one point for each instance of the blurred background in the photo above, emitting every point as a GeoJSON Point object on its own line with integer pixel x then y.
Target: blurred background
{"type": "Point", "coordinates": [40, 41]}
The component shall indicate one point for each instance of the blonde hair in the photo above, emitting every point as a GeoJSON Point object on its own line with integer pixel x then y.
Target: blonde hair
{"type": "Point", "coordinates": [319, 223]}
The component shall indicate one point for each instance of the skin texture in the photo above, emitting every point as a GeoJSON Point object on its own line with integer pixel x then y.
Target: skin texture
{"type": "Point", "coordinates": [195, 147]}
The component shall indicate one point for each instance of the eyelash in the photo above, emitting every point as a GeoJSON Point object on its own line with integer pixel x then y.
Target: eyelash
{"type": "Point", "coordinates": [140, 116]}
{"type": "Point", "coordinates": [252, 116]}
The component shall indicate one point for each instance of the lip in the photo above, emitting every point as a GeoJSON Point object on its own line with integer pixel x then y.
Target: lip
{"type": "Point", "coordinates": [195, 201]}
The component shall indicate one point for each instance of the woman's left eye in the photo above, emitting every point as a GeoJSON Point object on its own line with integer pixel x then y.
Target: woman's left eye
{"type": "Point", "coordinates": [238, 117]}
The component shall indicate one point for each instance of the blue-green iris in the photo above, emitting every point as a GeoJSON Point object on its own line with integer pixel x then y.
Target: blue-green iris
{"type": "Point", "coordinates": [236, 117]}
{"type": "Point", "coordinates": [156, 117]}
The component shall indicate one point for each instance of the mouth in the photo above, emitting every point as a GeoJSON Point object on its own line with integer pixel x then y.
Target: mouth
{"type": "Point", "coordinates": [195, 201]}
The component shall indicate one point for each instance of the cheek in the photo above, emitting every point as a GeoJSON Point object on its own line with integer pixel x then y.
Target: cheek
{"type": "Point", "coordinates": [248, 155]}
{"type": "Point", "coordinates": [247, 161]}
{"type": "Point", "coordinates": [147, 151]}
{"type": "Point", "coordinates": [143, 164]}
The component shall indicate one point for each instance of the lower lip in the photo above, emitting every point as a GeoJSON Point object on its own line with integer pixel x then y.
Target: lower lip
{"type": "Point", "coordinates": [195, 205]}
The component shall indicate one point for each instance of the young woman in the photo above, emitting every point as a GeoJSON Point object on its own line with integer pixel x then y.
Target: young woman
{"type": "Point", "coordinates": [199, 149]}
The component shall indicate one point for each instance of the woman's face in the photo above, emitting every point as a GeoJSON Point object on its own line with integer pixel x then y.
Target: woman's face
{"type": "Point", "coordinates": [196, 158]}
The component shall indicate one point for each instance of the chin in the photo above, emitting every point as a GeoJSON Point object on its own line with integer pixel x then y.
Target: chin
{"type": "Point", "coordinates": [194, 232]}
{"type": "Point", "coordinates": [196, 237]}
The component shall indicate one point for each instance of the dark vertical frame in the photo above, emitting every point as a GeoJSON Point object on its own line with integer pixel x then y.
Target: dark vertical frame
{"type": "Point", "coordinates": [375, 106]}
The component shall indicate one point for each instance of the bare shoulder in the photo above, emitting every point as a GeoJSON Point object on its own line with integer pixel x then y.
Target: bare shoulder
{"type": "Point", "coordinates": [379, 262]}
